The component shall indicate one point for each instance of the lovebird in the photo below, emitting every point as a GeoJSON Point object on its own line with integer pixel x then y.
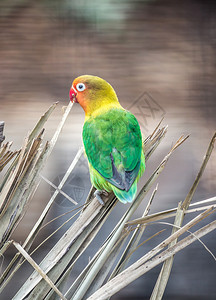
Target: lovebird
{"type": "Point", "coordinates": [112, 139]}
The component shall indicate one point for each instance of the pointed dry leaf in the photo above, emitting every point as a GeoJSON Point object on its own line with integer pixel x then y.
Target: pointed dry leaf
{"type": "Point", "coordinates": [142, 266]}
{"type": "Point", "coordinates": [38, 269]}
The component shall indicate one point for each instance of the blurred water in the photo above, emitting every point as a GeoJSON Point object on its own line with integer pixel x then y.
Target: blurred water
{"type": "Point", "coordinates": [160, 58]}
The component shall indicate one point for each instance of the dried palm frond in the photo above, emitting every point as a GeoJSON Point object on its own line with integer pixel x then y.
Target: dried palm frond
{"type": "Point", "coordinates": [94, 282]}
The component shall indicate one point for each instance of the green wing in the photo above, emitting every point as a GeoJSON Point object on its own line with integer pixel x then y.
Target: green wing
{"type": "Point", "coordinates": [113, 145]}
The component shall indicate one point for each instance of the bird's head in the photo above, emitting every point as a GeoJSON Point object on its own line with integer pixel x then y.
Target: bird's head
{"type": "Point", "coordinates": [93, 94]}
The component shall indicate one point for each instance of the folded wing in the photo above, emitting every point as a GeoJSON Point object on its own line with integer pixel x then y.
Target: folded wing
{"type": "Point", "coordinates": [113, 145]}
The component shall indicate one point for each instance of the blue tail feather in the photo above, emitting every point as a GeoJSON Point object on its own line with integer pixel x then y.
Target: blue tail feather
{"type": "Point", "coordinates": [124, 196]}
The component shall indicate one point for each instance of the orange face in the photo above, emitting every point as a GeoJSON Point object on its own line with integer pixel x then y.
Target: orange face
{"type": "Point", "coordinates": [76, 90]}
{"type": "Point", "coordinates": [79, 93]}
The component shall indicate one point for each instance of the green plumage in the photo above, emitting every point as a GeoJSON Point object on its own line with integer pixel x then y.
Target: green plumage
{"type": "Point", "coordinates": [113, 145]}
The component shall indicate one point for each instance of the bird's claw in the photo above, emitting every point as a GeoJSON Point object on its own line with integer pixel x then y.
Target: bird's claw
{"type": "Point", "coordinates": [98, 194]}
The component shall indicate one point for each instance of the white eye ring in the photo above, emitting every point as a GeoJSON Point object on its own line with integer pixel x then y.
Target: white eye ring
{"type": "Point", "coordinates": [80, 87]}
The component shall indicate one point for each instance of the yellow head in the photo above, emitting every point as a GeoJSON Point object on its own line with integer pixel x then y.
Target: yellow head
{"type": "Point", "coordinates": [94, 94]}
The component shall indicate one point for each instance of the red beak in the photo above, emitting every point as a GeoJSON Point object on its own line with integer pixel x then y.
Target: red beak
{"type": "Point", "coordinates": [72, 95]}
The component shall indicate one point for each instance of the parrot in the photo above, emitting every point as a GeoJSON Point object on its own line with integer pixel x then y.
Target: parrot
{"type": "Point", "coordinates": [112, 139]}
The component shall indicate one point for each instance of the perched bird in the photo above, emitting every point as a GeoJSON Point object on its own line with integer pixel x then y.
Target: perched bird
{"type": "Point", "coordinates": [112, 139]}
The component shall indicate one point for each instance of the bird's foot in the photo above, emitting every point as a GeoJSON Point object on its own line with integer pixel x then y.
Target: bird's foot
{"type": "Point", "coordinates": [98, 194]}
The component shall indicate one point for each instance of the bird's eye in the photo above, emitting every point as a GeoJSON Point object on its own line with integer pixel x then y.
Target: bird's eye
{"type": "Point", "coordinates": [80, 87]}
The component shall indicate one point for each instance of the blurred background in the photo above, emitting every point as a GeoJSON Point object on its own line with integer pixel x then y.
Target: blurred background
{"type": "Point", "coordinates": [159, 55]}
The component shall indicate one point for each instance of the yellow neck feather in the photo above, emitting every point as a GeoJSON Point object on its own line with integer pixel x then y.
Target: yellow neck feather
{"type": "Point", "coordinates": [102, 109]}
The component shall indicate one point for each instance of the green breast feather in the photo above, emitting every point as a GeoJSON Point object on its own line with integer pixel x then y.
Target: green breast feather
{"type": "Point", "coordinates": [113, 145]}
